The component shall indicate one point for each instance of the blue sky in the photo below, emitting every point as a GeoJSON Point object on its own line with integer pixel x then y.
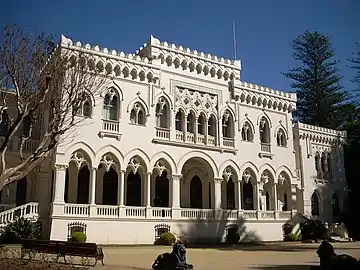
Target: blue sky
{"type": "Point", "coordinates": [263, 27]}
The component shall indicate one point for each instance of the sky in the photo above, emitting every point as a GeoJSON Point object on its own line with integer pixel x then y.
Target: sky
{"type": "Point", "coordinates": [264, 28]}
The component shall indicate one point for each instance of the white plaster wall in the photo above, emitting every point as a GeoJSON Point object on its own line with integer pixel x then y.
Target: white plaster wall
{"type": "Point", "coordinates": [143, 231]}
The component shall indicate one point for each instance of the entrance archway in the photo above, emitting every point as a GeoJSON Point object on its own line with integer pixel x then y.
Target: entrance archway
{"type": "Point", "coordinates": [315, 207]}
{"type": "Point", "coordinates": [83, 185]}
{"type": "Point", "coordinates": [161, 190]}
{"type": "Point", "coordinates": [133, 189]}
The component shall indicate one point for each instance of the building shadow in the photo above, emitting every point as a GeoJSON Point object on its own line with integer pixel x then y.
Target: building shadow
{"type": "Point", "coordinates": [287, 267]}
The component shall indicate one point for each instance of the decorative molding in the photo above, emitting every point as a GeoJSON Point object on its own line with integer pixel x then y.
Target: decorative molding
{"type": "Point", "coordinates": [79, 159]}
{"type": "Point", "coordinates": [246, 176]}
{"type": "Point", "coordinates": [61, 167]}
{"type": "Point", "coordinates": [107, 160]}
{"type": "Point", "coordinates": [134, 165]}
{"type": "Point", "coordinates": [227, 174]}
{"type": "Point", "coordinates": [160, 167]}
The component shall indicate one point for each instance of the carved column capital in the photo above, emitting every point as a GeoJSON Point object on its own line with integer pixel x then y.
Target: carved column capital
{"type": "Point", "coordinates": [218, 180]}
{"type": "Point", "coordinates": [61, 167]}
{"type": "Point", "coordinates": [176, 177]}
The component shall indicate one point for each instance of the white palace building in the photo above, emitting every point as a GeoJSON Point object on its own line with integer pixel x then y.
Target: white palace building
{"type": "Point", "coordinates": [176, 141]}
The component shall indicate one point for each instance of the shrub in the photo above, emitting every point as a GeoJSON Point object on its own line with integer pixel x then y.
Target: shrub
{"type": "Point", "coordinates": [78, 237]}
{"type": "Point", "coordinates": [21, 228]}
{"type": "Point", "coordinates": [290, 237]}
{"type": "Point", "coordinates": [166, 238]}
{"type": "Point", "coordinates": [314, 230]}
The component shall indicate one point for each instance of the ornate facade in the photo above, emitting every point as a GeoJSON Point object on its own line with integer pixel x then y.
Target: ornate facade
{"type": "Point", "coordinates": [176, 141]}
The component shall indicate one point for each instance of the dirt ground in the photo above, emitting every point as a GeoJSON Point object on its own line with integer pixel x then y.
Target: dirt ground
{"type": "Point", "coordinates": [282, 256]}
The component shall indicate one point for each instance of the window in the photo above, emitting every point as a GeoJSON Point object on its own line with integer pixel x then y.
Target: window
{"type": "Point", "coordinates": [162, 114]}
{"type": "Point", "coordinates": [76, 227]}
{"type": "Point", "coordinates": [281, 138]}
{"type": "Point", "coordinates": [191, 122]}
{"type": "Point", "coordinates": [137, 114]}
{"type": "Point", "coordinates": [84, 108]}
{"type": "Point", "coordinates": [110, 107]}
{"type": "Point", "coordinates": [212, 126]}
{"type": "Point", "coordinates": [201, 124]}
{"type": "Point", "coordinates": [179, 118]}
{"type": "Point", "coordinates": [315, 211]}
{"type": "Point", "coordinates": [264, 131]}
{"type": "Point", "coordinates": [160, 229]}
{"type": "Point", "coordinates": [246, 132]}
{"type": "Point", "coordinates": [5, 123]}
{"type": "Point", "coordinates": [317, 162]}
{"type": "Point", "coordinates": [228, 125]}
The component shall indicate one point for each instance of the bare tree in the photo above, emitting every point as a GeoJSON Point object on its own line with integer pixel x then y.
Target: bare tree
{"type": "Point", "coordinates": [42, 88]}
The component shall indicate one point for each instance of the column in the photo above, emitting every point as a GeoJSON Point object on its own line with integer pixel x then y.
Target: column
{"type": "Point", "coordinates": [275, 197]}
{"type": "Point", "coordinates": [185, 127]}
{"type": "Point", "coordinates": [148, 189]}
{"type": "Point", "coordinates": [60, 174]}
{"type": "Point", "coordinates": [217, 193]}
{"type": "Point", "coordinates": [93, 185]}
{"type": "Point", "coordinates": [293, 197]}
{"type": "Point", "coordinates": [175, 196]}
{"type": "Point", "coordinates": [206, 130]}
{"type": "Point", "coordinates": [196, 129]}
{"type": "Point", "coordinates": [238, 195]}
{"type": "Point", "coordinates": [121, 187]}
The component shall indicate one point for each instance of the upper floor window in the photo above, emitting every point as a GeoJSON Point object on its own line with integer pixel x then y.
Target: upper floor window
{"type": "Point", "coordinates": [84, 107]}
{"type": "Point", "coordinates": [110, 107]}
{"type": "Point", "coordinates": [162, 113]}
{"type": "Point", "coordinates": [228, 125]}
{"type": "Point", "coordinates": [179, 120]}
{"type": "Point", "coordinates": [246, 132]}
{"type": "Point", "coordinates": [212, 126]}
{"type": "Point", "coordinates": [137, 114]}
{"type": "Point", "coordinates": [264, 131]}
{"type": "Point", "coordinates": [329, 166]}
{"type": "Point", "coordinates": [201, 124]}
{"type": "Point", "coordinates": [317, 162]}
{"type": "Point", "coordinates": [191, 124]}
{"type": "Point", "coordinates": [281, 138]}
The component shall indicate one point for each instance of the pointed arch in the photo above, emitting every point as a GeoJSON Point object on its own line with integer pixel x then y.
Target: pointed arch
{"type": "Point", "coordinates": [282, 127]}
{"type": "Point", "coordinates": [137, 152]}
{"type": "Point", "coordinates": [268, 167]}
{"type": "Point", "coordinates": [247, 120]}
{"type": "Point", "coordinates": [141, 101]}
{"type": "Point", "coordinates": [166, 97]}
{"type": "Point", "coordinates": [285, 169]}
{"type": "Point", "coordinates": [117, 88]}
{"type": "Point", "coordinates": [232, 112]}
{"type": "Point", "coordinates": [264, 114]}
{"type": "Point", "coordinates": [79, 146]}
{"type": "Point", "coordinates": [251, 166]}
{"type": "Point", "coordinates": [165, 156]}
{"type": "Point", "coordinates": [232, 164]}
{"type": "Point", "coordinates": [110, 149]}
{"type": "Point", "coordinates": [197, 154]}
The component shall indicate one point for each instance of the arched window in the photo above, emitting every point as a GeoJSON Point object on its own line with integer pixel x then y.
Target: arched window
{"type": "Point", "coordinates": [228, 125]}
{"type": "Point", "coordinates": [317, 162]}
{"type": "Point", "coordinates": [191, 122]}
{"type": "Point", "coordinates": [83, 106]}
{"type": "Point", "coordinates": [110, 107]}
{"type": "Point", "coordinates": [246, 132]}
{"type": "Point", "coordinates": [212, 126]}
{"type": "Point", "coordinates": [179, 120]}
{"type": "Point", "coordinates": [137, 114]}
{"type": "Point", "coordinates": [162, 113]}
{"type": "Point", "coordinates": [281, 138]}
{"type": "Point", "coordinates": [315, 209]}
{"type": "Point", "coordinates": [264, 131]}
{"type": "Point", "coordinates": [201, 124]}
{"type": "Point", "coordinates": [329, 166]}
{"type": "Point", "coordinates": [324, 166]}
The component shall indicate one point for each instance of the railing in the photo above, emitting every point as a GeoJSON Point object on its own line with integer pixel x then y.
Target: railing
{"type": "Point", "coordinates": [161, 212]}
{"type": "Point", "coordinates": [211, 140]}
{"type": "Point", "coordinates": [265, 147]}
{"type": "Point", "coordinates": [107, 210]}
{"type": "Point", "coordinates": [201, 138]}
{"type": "Point", "coordinates": [267, 214]}
{"type": "Point", "coordinates": [249, 214]}
{"type": "Point", "coordinates": [229, 214]}
{"type": "Point", "coordinates": [190, 137]}
{"type": "Point", "coordinates": [284, 214]}
{"type": "Point", "coordinates": [135, 211]}
{"type": "Point", "coordinates": [27, 210]}
{"type": "Point", "coordinates": [111, 125]}
{"type": "Point", "coordinates": [179, 135]}
{"type": "Point", "coordinates": [163, 133]}
{"type": "Point", "coordinates": [76, 209]}
{"type": "Point", "coordinates": [229, 142]}
{"type": "Point", "coordinates": [197, 213]}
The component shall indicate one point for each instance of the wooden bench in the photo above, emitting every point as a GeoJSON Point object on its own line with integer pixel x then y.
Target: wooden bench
{"type": "Point", "coordinates": [62, 249]}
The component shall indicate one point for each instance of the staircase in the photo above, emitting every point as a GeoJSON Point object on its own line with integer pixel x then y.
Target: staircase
{"type": "Point", "coordinates": [29, 210]}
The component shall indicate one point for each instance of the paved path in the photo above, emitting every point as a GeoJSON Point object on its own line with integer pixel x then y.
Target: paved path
{"type": "Point", "coordinates": [282, 256]}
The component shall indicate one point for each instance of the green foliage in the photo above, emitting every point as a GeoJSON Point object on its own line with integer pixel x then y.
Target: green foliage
{"type": "Point", "coordinates": [79, 237]}
{"type": "Point", "coordinates": [21, 228]}
{"type": "Point", "coordinates": [316, 80]}
{"type": "Point", "coordinates": [167, 239]}
{"type": "Point", "coordinates": [314, 230]}
{"type": "Point", "coordinates": [355, 64]}
{"type": "Point", "coordinates": [291, 237]}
